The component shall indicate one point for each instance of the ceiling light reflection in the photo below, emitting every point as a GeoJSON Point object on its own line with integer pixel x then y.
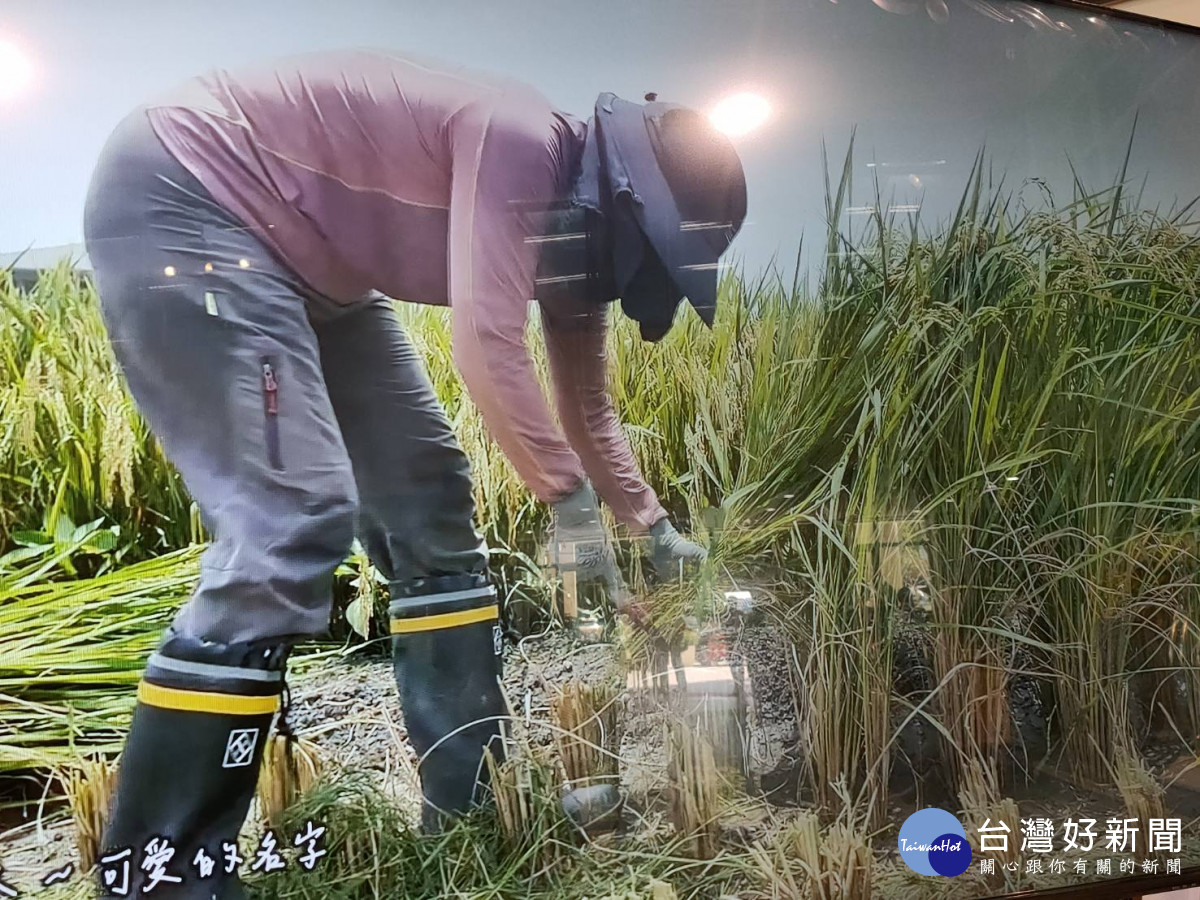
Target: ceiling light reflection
{"type": "Point", "coordinates": [740, 114]}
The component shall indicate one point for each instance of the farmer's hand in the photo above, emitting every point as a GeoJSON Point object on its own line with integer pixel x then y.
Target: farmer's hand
{"type": "Point", "coordinates": [670, 551]}
{"type": "Point", "coordinates": [577, 525]}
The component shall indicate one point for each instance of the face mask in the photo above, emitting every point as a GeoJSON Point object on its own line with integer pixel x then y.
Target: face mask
{"type": "Point", "coordinates": [650, 280]}
{"type": "Point", "coordinates": [574, 263]}
{"type": "Point", "coordinates": [575, 266]}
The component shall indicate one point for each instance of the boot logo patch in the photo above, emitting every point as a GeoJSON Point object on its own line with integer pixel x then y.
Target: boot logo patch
{"type": "Point", "coordinates": [497, 640]}
{"type": "Point", "coordinates": [239, 751]}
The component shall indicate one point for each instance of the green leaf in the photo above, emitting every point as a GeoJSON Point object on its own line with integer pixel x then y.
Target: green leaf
{"type": "Point", "coordinates": [358, 614]}
{"type": "Point", "coordinates": [81, 533]}
{"type": "Point", "coordinates": [31, 538]}
{"type": "Point", "coordinates": [64, 529]}
{"type": "Point", "coordinates": [101, 542]}
{"type": "Point", "coordinates": [10, 559]}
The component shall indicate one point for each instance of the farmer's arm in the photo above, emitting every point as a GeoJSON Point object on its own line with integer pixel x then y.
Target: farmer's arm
{"type": "Point", "coordinates": [575, 341]}
{"type": "Point", "coordinates": [501, 171]}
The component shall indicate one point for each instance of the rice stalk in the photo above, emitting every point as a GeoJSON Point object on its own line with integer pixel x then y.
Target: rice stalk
{"type": "Point", "coordinates": [799, 862]}
{"type": "Point", "coordinates": [1025, 384]}
{"type": "Point", "coordinates": [983, 807]}
{"type": "Point", "coordinates": [1142, 795]}
{"type": "Point", "coordinates": [88, 785]}
{"type": "Point", "coordinates": [290, 768]}
{"type": "Point", "coordinates": [588, 719]}
{"type": "Point", "coordinates": [694, 791]}
{"type": "Point", "coordinates": [73, 652]}
{"type": "Point", "coordinates": [524, 788]}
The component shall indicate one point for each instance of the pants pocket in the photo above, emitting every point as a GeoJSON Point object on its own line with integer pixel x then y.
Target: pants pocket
{"type": "Point", "coordinates": [270, 394]}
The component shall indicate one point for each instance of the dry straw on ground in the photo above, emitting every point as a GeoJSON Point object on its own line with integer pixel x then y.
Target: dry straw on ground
{"type": "Point", "coordinates": [798, 862]}
{"type": "Point", "coordinates": [290, 768]}
{"type": "Point", "coordinates": [88, 785]}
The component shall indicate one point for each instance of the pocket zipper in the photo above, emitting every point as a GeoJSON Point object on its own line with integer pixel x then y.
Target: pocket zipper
{"type": "Point", "coordinates": [270, 387]}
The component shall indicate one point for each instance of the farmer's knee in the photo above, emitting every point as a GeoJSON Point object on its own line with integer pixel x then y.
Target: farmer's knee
{"type": "Point", "coordinates": [310, 530]}
{"type": "Point", "coordinates": [342, 524]}
{"type": "Point", "coordinates": [272, 575]}
{"type": "Point", "coordinates": [329, 526]}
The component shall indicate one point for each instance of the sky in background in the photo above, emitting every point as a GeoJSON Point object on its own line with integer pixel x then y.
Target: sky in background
{"type": "Point", "coordinates": [923, 97]}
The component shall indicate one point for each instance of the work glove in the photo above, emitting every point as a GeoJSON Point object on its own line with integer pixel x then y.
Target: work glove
{"type": "Point", "coordinates": [671, 552]}
{"type": "Point", "coordinates": [577, 523]}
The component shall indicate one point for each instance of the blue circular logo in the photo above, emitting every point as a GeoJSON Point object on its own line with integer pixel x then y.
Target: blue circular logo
{"type": "Point", "coordinates": [933, 842]}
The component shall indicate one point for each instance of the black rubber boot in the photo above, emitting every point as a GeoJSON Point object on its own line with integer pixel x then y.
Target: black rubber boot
{"type": "Point", "coordinates": [189, 768]}
{"type": "Point", "coordinates": [446, 649]}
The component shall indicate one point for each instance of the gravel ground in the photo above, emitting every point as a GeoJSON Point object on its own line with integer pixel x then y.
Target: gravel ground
{"type": "Point", "coordinates": [349, 707]}
{"type": "Point", "coordinates": [32, 850]}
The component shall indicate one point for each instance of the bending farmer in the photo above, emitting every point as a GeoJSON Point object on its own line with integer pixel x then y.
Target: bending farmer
{"type": "Point", "coordinates": [246, 231]}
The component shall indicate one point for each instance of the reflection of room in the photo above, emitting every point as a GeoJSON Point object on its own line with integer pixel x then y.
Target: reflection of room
{"type": "Point", "coordinates": [1185, 11]}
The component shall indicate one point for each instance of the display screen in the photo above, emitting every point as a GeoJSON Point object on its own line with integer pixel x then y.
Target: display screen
{"type": "Point", "coordinates": [632, 450]}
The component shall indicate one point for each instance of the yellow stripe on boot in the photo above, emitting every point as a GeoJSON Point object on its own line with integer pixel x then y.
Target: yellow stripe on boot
{"type": "Point", "coordinates": [203, 701]}
{"type": "Point", "coordinates": [446, 620]}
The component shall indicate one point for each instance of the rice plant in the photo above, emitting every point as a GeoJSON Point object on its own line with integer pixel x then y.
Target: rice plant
{"type": "Point", "coordinates": [798, 862]}
{"type": "Point", "coordinates": [373, 852]}
{"type": "Point", "coordinates": [71, 441]}
{"type": "Point", "coordinates": [72, 651]}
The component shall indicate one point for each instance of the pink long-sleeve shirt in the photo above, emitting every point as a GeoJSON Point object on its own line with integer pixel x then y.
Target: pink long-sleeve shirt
{"type": "Point", "coordinates": [367, 170]}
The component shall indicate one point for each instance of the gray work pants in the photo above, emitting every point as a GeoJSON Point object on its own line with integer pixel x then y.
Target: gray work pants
{"type": "Point", "coordinates": [294, 422]}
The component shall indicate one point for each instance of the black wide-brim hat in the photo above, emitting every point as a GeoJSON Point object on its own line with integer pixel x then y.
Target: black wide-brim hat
{"type": "Point", "coordinates": [674, 192]}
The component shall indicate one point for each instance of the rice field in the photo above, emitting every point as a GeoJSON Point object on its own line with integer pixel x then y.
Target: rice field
{"type": "Point", "coordinates": [1020, 388]}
